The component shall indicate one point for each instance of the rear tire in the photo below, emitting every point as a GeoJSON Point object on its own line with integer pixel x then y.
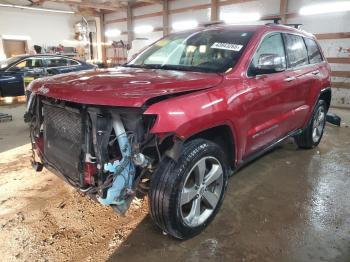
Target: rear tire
{"type": "Point", "coordinates": [312, 134]}
{"type": "Point", "coordinates": [186, 195]}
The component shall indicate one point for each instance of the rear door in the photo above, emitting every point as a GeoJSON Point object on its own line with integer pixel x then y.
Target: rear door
{"type": "Point", "coordinates": [320, 70]}
{"type": "Point", "coordinates": [57, 65]}
{"type": "Point", "coordinates": [305, 77]}
{"type": "Point", "coordinates": [74, 65]}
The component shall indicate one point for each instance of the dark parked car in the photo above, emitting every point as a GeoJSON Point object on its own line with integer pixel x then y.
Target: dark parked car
{"type": "Point", "coordinates": [183, 115]}
{"type": "Point", "coordinates": [13, 69]}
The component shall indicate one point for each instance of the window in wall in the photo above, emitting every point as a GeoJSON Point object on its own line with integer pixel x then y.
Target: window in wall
{"type": "Point", "coordinates": [296, 50]}
{"type": "Point", "coordinates": [313, 51]}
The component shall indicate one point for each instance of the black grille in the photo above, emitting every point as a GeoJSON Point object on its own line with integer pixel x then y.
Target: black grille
{"type": "Point", "coordinates": [62, 140]}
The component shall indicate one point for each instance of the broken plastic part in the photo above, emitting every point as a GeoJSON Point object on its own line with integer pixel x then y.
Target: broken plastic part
{"type": "Point", "coordinates": [333, 119]}
{"type": "Point", "coordinates": [118, 194]}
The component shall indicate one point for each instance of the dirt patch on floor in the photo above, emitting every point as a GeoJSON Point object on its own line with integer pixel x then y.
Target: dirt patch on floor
{"type": "Point", "coordinates": [43, 219]}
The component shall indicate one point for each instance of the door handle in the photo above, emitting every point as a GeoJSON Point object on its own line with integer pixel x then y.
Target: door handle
{"type": "Point", "coordinates": [316, 72]}
{"type": "Point", "coordinates": [289, 79]}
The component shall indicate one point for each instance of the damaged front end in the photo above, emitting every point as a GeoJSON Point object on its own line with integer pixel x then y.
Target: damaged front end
{"type": "Point", "coordinates": [108, 153]}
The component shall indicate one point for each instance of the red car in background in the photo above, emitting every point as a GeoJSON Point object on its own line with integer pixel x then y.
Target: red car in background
{"type": "Point", "coordinates": [181, 117]}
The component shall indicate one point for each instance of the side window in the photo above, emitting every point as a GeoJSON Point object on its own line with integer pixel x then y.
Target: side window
{"type": "Point", "coordinates": [73, 62]}
{"type": "Point", "coordinates": [313, 51]}
{"type": "Point", "coordinates": [19, 66]}
{"type": "Point", "coordinates": [296, 51]}
{"type": "Point", "coordinates": [63, 62]}
{"type": "Point", "coordinates": [56, 62]}
{"type": "Point", "coordinates": [34, 63]}
{"type": "Point", "coordinates": [269, 53]}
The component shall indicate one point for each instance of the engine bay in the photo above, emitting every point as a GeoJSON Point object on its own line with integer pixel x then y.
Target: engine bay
{"type": "Point", "coordinates": [107, 153]}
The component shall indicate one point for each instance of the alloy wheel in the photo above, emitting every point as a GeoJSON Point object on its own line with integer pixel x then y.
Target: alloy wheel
{"type": "Point", "coordinates": [201, 192]}
{"type": "Point", "coordinates": [318, 124]}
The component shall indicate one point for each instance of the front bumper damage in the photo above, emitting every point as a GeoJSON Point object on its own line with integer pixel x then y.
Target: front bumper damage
{"type": "Point", "coordinates": [105, 152]}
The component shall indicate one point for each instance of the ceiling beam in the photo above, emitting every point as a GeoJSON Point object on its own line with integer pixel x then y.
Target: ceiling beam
{"type": "Point", "coordinates": [283, 11]}
{"type": "Point", "coordinates": [150, 1]}
{"type": "Point", "coordinates": [165, 17]}
{"type": "Point", "coordinates": [214, 10]}
{"type": "Point", "coordinates": [130, 26]}
{"type": "Point", "coordinates": [89, 4]}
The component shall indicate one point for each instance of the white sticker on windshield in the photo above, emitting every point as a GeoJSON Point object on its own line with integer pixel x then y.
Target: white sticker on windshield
{"type": "Point", "coordinates": [227, 46]}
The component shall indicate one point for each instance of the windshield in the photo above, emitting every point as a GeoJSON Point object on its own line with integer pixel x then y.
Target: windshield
{"type": "Point", "coordinates": [205, 51]}
{"type": "Point", "coordinates": [7, 62]}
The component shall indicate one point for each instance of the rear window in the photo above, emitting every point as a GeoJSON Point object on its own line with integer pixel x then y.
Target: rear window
{"type": "Point", "coordinates": [313, 51]}
{"type": "Point", "coordinates": [73, 62]}
{"type": "Point", "coordinates": [296, 50]}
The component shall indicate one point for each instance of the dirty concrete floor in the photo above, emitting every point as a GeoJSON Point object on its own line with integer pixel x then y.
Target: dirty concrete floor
{"type": "Point", "coordinates": [289, 205]}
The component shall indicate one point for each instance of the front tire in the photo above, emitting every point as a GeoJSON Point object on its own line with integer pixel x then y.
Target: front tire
{"type": "Point", "coordinates": [186, 195]}
{"type": "Point", "coordinates": [312, 134]}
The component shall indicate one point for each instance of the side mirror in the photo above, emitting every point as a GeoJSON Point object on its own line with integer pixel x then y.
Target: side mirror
{"type": "Point", "coordinates": [269, 63]}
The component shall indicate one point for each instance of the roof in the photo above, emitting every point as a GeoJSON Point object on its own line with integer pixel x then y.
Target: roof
{"type": "Point", "coordinates": [34, 55]}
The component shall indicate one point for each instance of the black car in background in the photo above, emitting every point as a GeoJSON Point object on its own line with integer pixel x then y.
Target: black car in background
{"type": "Point", "coordinates": [13, 70]}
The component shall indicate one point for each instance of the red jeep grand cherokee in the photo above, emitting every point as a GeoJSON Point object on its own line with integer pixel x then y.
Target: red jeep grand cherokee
{"type": "Point", "coordinates": [182, 116]}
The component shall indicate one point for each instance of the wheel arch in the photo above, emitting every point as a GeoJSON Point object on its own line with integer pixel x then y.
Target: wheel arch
{"type": "Point", "coordinates": [221, 135]}
{"type": "Point", "coordinates": [326, 95]}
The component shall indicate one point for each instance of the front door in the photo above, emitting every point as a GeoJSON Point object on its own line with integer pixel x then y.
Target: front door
{"type": "Point", "coordinates": [12, 80]}
{"type": "Point", "coordinates": [270, 105]}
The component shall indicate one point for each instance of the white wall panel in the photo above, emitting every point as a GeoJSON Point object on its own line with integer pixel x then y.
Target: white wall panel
{"type": "Point", "coordinates": [326, 23]}
{"type": "Point", "coordinates": [122, 26]}
{"type": "Point", "coordinates": [42, 28]}
{"type": "Point", "coordinates": [264, 7]}
{"type": "Point", "coordinates": [294, 5]}
{"type": "Point", "coordinates": [202, 16]}
{"type": "Point", "coordinates": [154, 36]}
{"type": "Point", "coordinates": [156, 21]}
{"type": "Point", "coordinates": [147, 9]}
{"type": "Point", "coordinates": [115, 15]}
{"type": "Point", "coordinates": [340, 97]}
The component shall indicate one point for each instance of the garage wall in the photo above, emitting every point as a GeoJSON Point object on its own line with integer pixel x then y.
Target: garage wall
{"type": "Point", "coordinates": [41, 28]}
{"type": "Point", "coordinates": [335, 46]}
{"type": "Point", "coordinates": [326, 28]}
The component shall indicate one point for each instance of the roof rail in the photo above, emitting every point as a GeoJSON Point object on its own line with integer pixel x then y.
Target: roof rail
{"type": "Point", "coordinates": [213, 23]}
{"type": "Point", "coordinates": [296, 26]}
{"type": "Point", "coordinates": [275, 20]}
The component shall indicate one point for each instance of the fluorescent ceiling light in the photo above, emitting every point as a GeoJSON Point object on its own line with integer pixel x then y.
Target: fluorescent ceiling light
{"type": "Point", "coordinates": [143, 29]}
{"type": "Point", "coordinates": [323, 8]}
{"type": "Point", "coordinates": [112, 32]}
{"type": "Point", "coordinates": [185, 25]}
{"type": "Point", "coordinates": [237, 18]}
{"type": "Point", "coordinates": [37, 9]}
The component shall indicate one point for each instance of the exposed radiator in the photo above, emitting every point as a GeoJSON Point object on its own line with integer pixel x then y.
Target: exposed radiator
{"type": "Point", "coordinates": [62, 139]}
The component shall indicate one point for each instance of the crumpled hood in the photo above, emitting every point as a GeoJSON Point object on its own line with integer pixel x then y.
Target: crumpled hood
{"type": "Point", "coordinates": [122, 86]}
